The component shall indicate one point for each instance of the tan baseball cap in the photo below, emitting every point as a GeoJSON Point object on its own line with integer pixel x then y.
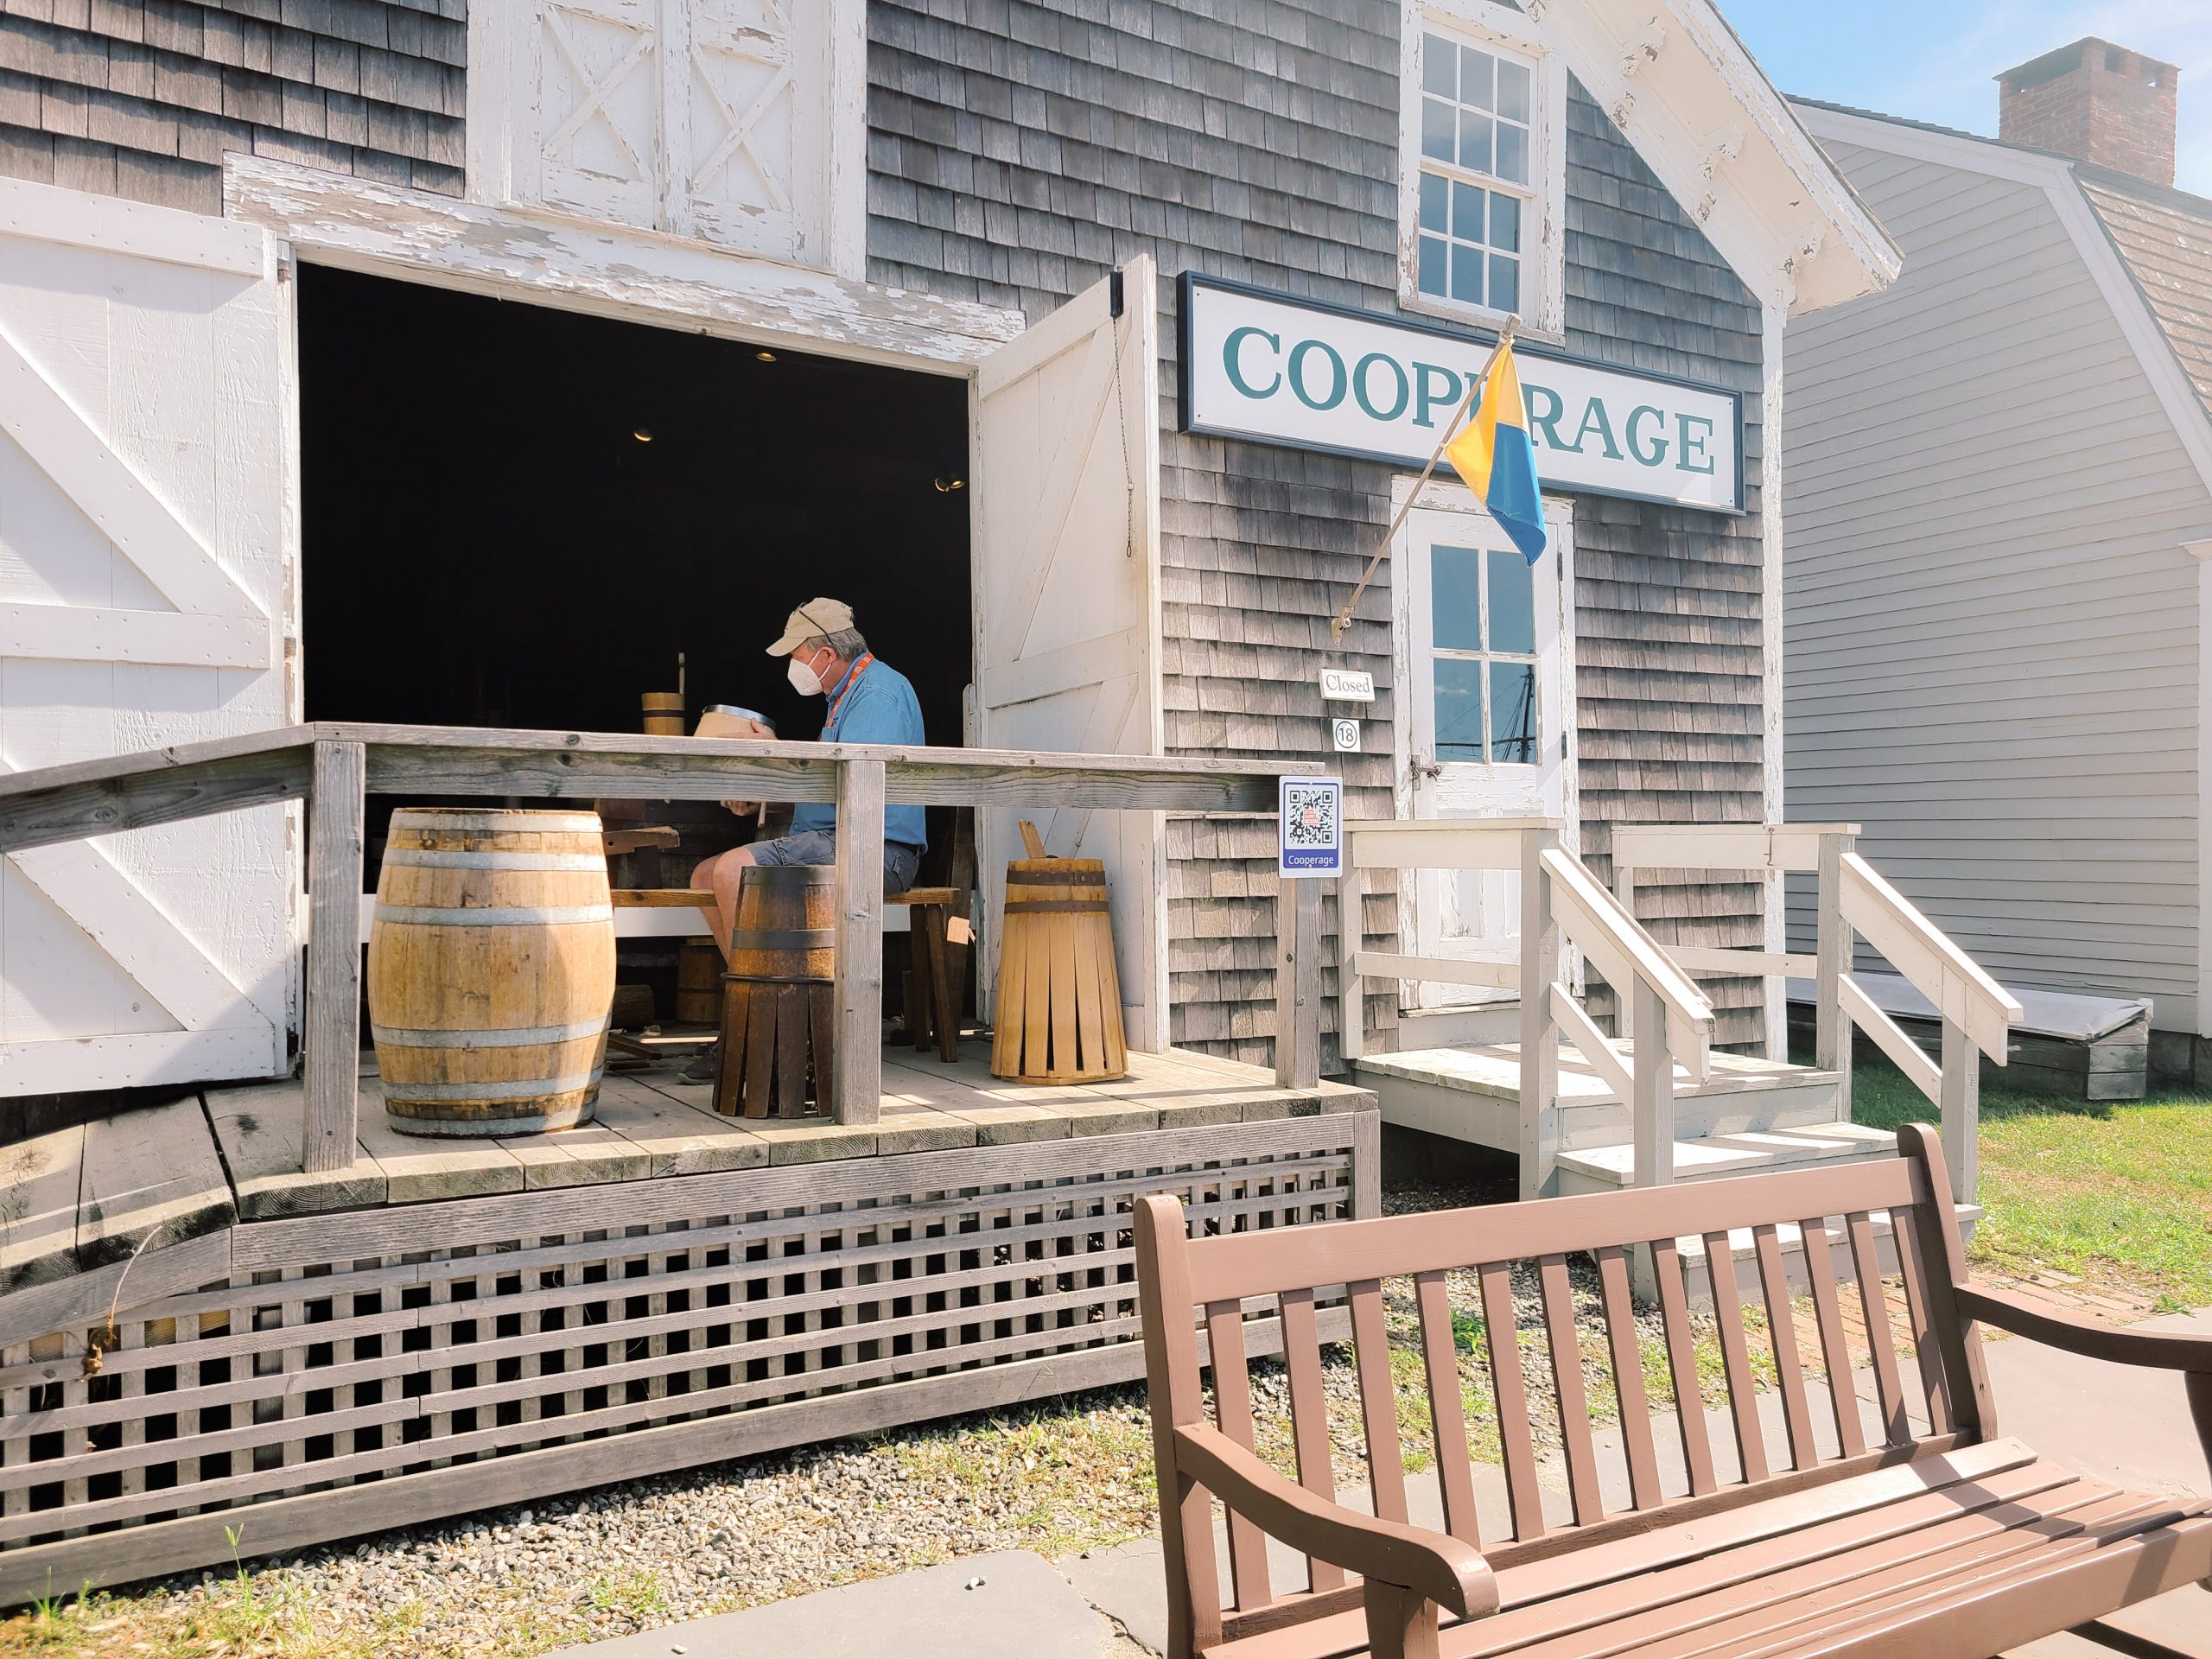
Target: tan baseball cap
{"type": "Point", "coordinates": [816, 620]}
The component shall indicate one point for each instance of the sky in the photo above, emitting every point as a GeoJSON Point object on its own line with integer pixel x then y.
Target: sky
{"type": "Point", "coordinates": [1938, 59]}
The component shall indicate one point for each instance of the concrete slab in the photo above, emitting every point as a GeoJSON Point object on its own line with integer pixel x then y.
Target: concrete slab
{"type": "Point", "coordinates": [1020, 1609]}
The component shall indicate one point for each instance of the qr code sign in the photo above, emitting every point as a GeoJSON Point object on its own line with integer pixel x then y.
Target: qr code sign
{"type": "Point", "coordinates": [1310, 818]}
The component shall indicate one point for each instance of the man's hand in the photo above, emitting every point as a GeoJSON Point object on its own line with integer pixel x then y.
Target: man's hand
{"type": "Point", "coordinates": [743, 809]}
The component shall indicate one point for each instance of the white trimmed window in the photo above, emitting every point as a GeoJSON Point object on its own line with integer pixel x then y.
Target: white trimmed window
{"type": "Point", "coordinates": [1483, 165]}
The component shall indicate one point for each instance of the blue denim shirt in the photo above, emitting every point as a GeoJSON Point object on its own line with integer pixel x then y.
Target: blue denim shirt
{"type": "Point", "coordinates": [878, 708]}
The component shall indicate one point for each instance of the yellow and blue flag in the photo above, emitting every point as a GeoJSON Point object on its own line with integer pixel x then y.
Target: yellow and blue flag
{"type": "Point", "coordinates": [1495, 457]}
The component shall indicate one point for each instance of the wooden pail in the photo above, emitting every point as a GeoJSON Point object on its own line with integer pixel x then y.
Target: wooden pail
{"type": "Point", "coordinates": [491, 971]}
{"type": "Point", "coordinates": [1059, 997]}
{"type": "Point", "coordinates": [777, 1048]}
{"type": "Point", "coordinates": [664, 713]}
{"type": "Point", "coordinates": [698, 982]}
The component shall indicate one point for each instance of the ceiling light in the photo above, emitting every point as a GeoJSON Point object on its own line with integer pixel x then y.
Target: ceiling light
{"type": "Point", "coordinates": [642, 433]}
{"type": "Point", "coordinates": [947, 486]}
{"type": "Point", "coordinates": [766, 356]}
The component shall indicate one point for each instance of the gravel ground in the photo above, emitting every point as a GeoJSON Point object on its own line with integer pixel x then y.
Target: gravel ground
{"type": "Point", "coordinates": [1071, 1474]}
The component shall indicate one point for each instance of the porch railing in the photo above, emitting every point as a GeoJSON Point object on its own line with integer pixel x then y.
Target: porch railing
{"type": "Point", "coordinates": [334, 767]}
{"type": "Point", "coordinates": [1561, 905]}
{"type": "Point", "coordinates": [1855, 903]}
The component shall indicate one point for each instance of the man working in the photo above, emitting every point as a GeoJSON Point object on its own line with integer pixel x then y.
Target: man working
{"type": "Point", "coordinates": [869, 702]}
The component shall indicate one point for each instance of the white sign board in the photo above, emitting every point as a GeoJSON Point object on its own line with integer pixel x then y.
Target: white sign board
{"type": "Point", "coordinates": [1344, 735]}
{"type": "Point", "coordinates": [1311, 826]}
{"type": "Point", "coordinates": [1280, 370]}
{"type": "Point", "coordinates": [1347, 685]}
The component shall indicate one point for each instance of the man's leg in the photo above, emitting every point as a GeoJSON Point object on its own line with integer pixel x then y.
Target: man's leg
{"type": "Point", "coordinates": [722, 873]}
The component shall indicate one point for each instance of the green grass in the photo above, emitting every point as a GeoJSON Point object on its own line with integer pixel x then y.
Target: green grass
{"type": "Point", "coordinates": [2116, 1193]}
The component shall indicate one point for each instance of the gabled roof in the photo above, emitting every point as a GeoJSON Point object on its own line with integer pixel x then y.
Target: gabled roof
{"type": "Point", "coordinates": [1681, 86]}
{"type": "Point", "coordinates": [2165, 238]}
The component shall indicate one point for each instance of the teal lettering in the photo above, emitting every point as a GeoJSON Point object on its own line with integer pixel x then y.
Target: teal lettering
{"type": "Point", "coordinates": [1544, 410]}
{"type": "Point", "coordinates": [1448, 391]}
{"type": "Point", "coordinates": [1359, 385]}
{"type": "Point", "coordinates": [1594, 420]}
{"type": "Point", "coordinates": [1298, 355]}
{"type": "Point", "coordinates": [1693, 449]}
{"type": "Point", "coordinates": [1230, 349]}
{"type": "Point", "coordinates": [1657, 455]}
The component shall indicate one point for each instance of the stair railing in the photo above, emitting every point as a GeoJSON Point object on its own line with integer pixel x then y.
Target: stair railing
{"type": "Point", "coordinates": [1561, 904]}
{"type": "Point", "coordinates": [1855, 903]}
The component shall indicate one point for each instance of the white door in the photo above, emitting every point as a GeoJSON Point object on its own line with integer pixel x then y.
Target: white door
{"type": "Point", "coordinates": [146, 509]}
{"type": "Point", "coordinates": [1484, 653]}
{"type": "Point", "coordinates": [1067, 599]}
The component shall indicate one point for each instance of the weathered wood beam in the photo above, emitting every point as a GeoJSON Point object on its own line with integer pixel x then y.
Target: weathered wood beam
{"type": "Point", "coordinates": [49, 805]}
{"type": "Point", "coordinates": [857, 1023]}
{"type": "Point", "coordinates": [1298, 984]}
{"type": "Point", "coordinates": [336, 835]}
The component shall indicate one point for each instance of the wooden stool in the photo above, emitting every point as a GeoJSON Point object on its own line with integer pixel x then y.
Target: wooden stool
{"type": "Point", "coordinates": [778, 1050]}
{"type": "Point", "coordinates": [940, 932]}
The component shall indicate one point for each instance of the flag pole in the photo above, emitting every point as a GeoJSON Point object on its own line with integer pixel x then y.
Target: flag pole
{"type": "Point", "coordinates": [1342, 619]}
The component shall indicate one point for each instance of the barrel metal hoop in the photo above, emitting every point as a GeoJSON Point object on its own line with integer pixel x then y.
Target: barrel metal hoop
{"type": "Point", "coordinates": [511, 1037]}
{"type": "Point", "coordinates": [783, 938]}
{"type": "Point", "coordinates": [1081, 906]}
{"type": "Point", "coordinates": [493, 915]}
{"type": "Point", "coordinates": [1092, 877]}
{"type": "Point", "coordinates": [521, 1089]}
{"type": "Point", "coordinates": [778, 979]}
{"type": "Point", "coordinates": [431, 858]}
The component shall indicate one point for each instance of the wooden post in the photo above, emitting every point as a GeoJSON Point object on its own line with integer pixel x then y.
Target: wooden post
{"type": "Point", "coordinates": [1962, 1109]}
{"type": "Point", "coordinates": [1630, 1016]}
{"type": "Point", "coordinates": [1539, 1138]}
{"type": "Point", "coordinates": [1351, 987]}
{"type": "Point", "coordinates": [1297, 983]}
{"type": "Point", "coordinates": [1833, 1028]}
{"type": "Point", "coordinates": [1652, 1113]}
{"type": "Point", "coordinates": [859, 993]}
{"type": "Point", "coordinates": [333, 1020]}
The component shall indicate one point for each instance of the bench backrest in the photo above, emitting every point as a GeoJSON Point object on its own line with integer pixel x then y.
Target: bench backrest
{"type": "Point", "coordinates": [1211, 1301]}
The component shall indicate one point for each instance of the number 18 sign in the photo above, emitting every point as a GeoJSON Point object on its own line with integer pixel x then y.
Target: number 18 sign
{"type": "Point", "coordinates": [1313, 818]}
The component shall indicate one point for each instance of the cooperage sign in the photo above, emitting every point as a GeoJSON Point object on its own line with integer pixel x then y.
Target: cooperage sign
{"type": "Point", "coordinates": [1286, 370]}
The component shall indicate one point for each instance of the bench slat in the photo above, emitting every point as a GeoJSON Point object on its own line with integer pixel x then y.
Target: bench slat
{"type": "Point", "coordinates": [1574, 1393]}
{"type": "Point", "coordinates": [1622, 1338]}
{"type": "Point", "coordinates": [1272, 1260]}
{"type": "Point", "coordinates": [1378, 1402]}
{"type": "Point", "coordinates": [1515, 1433]}
{"type": "Point", "coordinates": [1864, 1255]}
{"type": "Point", "coordinates": [1736, 1356]}
{"type": "Point", "coordinates": [1309, 1412]}
{"type": "Point", "coordinates": [1781, 1328]}
{"type": "Point", "coordinates": [1232, 1412]}
{"type": "Point", "coordinates": [1927, 1351]}
{"type": "Point", "coordinates": [1440, 1347]}
{"type": "Point", "coordinates": [1682, 1363]}
{"type": "Point", "coordinates": [1836, 1348]}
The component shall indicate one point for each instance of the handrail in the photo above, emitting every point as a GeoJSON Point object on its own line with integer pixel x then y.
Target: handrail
{"type": "Point", "coordinates": [1938, 969]}
{"type": "Point", "coordinates": [1622, 951]}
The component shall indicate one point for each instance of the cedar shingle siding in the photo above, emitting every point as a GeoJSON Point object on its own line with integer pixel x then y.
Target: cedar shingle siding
{"type": "Point", "coordinates": [142, 98]}
{"type": "Point", "coordinates": [1015, 152]}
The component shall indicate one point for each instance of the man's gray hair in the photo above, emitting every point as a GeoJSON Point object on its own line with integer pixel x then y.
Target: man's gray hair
{"type": "Point", "coordinates": [847, 643]}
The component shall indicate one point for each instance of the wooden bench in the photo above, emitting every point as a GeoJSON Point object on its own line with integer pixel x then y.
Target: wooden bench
{"type": "Point", "coordinates": [1807, 1530]}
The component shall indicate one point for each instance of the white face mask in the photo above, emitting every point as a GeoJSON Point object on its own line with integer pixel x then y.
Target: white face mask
{"type": "Point", "coordinates": [804, 679]}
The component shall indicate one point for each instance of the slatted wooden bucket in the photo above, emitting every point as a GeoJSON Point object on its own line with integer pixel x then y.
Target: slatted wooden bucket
{"type": "Point", "coordinates": [664, 713]}
{"type": "Point", "coordinates": [491, 971]}
{"type": "Point", "coordinates": [1059, 997]}
{"type": "Point", "coordinates": [777, 1048]}
{"type": "Point", "coordinates": [699, 982]}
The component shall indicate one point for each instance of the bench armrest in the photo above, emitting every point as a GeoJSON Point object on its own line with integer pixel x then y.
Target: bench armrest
{"type": "Point", "coordinates": [2024, 1317]}
{"type": "Point", "coordinates": [1432, 1564]}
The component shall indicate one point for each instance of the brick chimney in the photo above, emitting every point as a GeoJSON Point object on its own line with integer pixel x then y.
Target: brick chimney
{"type": "Point", "coordinates": [2097, 102]}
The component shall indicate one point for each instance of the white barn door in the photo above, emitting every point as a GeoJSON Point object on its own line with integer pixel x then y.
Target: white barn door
{"type": "Point", "coordinates": [146, 506]}
{"type": "Point", "coordinates": [1067, 595]}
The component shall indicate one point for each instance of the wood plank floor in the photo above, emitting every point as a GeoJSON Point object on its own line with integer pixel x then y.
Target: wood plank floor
{"type": "Point", "coordinates": [652, 1124]}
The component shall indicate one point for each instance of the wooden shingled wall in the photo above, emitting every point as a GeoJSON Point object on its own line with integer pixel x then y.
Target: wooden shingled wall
{"type": "Point", "coordinates": [1018, 150]}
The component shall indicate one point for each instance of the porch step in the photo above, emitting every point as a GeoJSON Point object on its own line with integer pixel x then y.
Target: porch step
{"type": "Point", "coordinates": [1472, 1092]}
{"type": "Point", "coordinates": [1597, 1169]}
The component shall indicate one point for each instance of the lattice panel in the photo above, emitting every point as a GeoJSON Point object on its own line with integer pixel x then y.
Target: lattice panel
{"type": "Point", "coordinates": [313, 1375]}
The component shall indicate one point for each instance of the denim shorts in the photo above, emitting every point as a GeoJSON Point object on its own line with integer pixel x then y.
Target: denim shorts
{"type": "Point", "coordinates": [901, 859]}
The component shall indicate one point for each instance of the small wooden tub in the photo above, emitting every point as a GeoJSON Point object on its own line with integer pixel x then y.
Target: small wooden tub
{"type": "Point", "coordinates": [491, 971]}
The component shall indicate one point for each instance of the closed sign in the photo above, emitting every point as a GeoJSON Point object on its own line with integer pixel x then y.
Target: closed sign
{"type": "Point", "coordinates": [1278, 370]}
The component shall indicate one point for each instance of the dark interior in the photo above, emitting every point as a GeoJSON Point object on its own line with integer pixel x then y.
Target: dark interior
{"type": "Point", "coordinates": [516, 516]}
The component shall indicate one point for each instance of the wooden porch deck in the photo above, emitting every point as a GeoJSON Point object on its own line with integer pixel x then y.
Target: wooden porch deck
{"type": "Point", "coordinates": [86, 1196]}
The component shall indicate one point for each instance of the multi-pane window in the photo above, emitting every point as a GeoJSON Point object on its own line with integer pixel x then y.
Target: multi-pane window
{"type": "Point", "coordinates": [1477, 207]}
{"type": "Point", "coordinates": [1483, 602]}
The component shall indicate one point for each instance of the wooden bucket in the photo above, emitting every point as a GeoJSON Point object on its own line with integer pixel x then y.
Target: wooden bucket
{"type": "Point", "coordinates": [1059, 997]}
{"type": "Point", "coordinates": [699, 982]}
{"type": "Point", "coordinates": [664, 713]}
{"type": "Point", "coordinates": [491, 971]}
{"type": "Point", "coordinates": [777, 1047]}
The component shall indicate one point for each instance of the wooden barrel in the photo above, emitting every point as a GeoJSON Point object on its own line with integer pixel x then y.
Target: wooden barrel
{"type": "Point", "coordinates": [699, 982]}
{"type": "Point", "coordinates": [1059, 996]}
{"type": "Point", "coordinates": [777, 1052]}
{"type": "Point", "coordinates": [491, 971]}
{"type": "Point", "coordinates": [664, 713]}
